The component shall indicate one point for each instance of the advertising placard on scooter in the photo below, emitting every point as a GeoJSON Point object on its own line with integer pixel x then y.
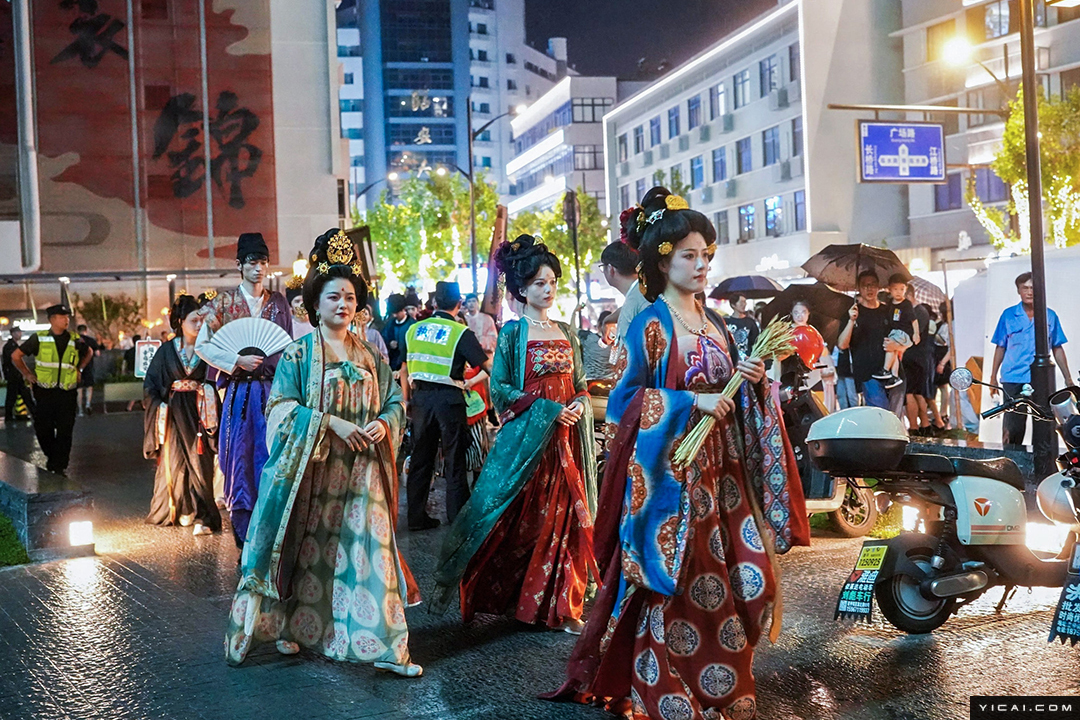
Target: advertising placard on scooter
{"type": "Point", "coordinates": [857, 596]}
{"type": "Point", "coordinates": [1066, 625]}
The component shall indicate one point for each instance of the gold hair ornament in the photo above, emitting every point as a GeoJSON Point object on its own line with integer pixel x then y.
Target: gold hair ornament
{"type": "Point", "coordinates": [340, 249]}
{"type": "Point", "coordinates": [323, 268]}
{"type": "Point", "coordinates": [295, 282]}
{"type": "Point", "coordinates": [641, 279]}
{"type": "Point", "coordinates": [665, 248]}
{"type": "Point", "coordinates": [357, 269]}
{"type": "Point", "coordinates": [676, 202]}
{"type": "Point", "coordinates": [210, 294]}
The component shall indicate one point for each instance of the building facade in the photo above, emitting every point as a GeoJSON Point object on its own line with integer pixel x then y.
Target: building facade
{"type": "Point", "coordinates": [410, 71]}
{"type": "Point", "coordinates": [161, 130]}
{"type": "Point", "coordinates": [941, 221]}
{"type": "Point", "coordinates": [743, 130]}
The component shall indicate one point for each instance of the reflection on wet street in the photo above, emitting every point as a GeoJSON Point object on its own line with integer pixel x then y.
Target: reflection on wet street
{"type": "Point", "coordinates": [137, 632]}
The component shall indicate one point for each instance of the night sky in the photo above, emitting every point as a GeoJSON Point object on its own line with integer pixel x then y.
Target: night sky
{"type": "Point", "coordinates": [607, 37]}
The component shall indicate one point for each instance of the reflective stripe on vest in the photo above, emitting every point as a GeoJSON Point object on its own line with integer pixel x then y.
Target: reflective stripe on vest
{"type": "Point", "coordinates": [51, 370]}
{"type": "Point", "coordinates": [430, 345]}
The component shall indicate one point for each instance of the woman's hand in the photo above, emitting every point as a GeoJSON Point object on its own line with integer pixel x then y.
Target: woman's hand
{"type": "Point", "coordinates": [570, 414]}
{"type": "Point", "coordinates": [941, 367]}
{"type": "Point", "coordinates": [375, 431]}
{"type": "Point", "coordinates": [716, 404]}
{"type": "Point", "coordinates": [753, 369]}
{"type": "Point", "coordinates": [350, 433]}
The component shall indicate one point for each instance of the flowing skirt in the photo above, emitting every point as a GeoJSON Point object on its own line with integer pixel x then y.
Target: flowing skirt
{"type": "Point", "coordinates": [243, 441]}
{"type": "Point", "coordinates": [184, 482]}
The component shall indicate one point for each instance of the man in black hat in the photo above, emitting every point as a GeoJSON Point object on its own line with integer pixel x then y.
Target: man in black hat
{"type": "Point", "coordinates": [242, 444]}
{"type": "Point", "coordinates": [433, 382]}
{"type": "Point", "coordinates": [16, 388]}
{"type": "Point", "coordinates": [60, 358]}
{"type": "Point", "coordinates": [394, 331]}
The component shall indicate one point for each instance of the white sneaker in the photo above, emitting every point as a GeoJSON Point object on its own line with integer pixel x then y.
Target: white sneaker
{"type": "Point", "coordinates": [201, 529]}
{"type": "Point", "coordinates": [186, 520]}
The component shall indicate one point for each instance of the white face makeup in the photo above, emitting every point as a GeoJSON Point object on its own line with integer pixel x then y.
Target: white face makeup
{"type": "Point", "coordinates": [540, 290]}
{"type": "Point", "coordinates": [687, 265]}
{"type": "Point", "coordinates": [337, 304]}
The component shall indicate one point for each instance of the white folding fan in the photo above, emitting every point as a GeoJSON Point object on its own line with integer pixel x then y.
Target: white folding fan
{"type": "Point", "coordinates": [251, 336]}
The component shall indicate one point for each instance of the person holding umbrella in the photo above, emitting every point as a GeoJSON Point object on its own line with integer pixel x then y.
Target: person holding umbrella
{"type": "Point", "coordinates": [866, 334]}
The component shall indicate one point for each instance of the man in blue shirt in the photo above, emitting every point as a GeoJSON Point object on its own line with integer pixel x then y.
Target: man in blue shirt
{"type": "Point", "coordinates": [1015, 351]}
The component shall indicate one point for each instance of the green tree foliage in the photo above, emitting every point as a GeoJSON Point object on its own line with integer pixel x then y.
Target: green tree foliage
{"type": "Point", "coordinates": [1059, 146]}
{"type": "Point", "coordinates": [108, 315]}
{"type": "Point", "coordinates": [551, 227]}
{"type": "Point", "coordinates": [676, 185]}
{"type": "Point", "coordinates": [427, 218]}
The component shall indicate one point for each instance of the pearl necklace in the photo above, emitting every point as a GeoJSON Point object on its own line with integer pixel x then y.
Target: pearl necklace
{"type": "Point", "coordinates": [703, 331]}
{"type": "Point", "coordinates": [546, 324]}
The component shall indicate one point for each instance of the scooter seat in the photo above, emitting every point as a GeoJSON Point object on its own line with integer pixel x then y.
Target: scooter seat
{"type": "Point", "coordinates": [926, 464]}
{"type": "Point", "coordinates": [1001, 469]}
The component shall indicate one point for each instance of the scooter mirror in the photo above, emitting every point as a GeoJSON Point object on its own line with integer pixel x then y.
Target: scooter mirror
{"type": "Point", "coordinates": [961, 379]}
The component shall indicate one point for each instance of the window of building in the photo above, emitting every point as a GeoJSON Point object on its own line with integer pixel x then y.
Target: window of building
{"type": "Point", "coordinates": [697, 172]}
{"type": "Point", "coordinates": [989, 187]}
{"type": "Point", "coordinates": [723, 235]}
{"type": "Point", "coordinates": [639, 189]}
{"type": "Point", "coordinates": [484, 136]}
{"type": "Point", "coordinates": [421, 31]}
{"type": "Point", "coordinates": [511, 85]}
{"type": "Point", "coordinates": [482, 108]}
{"type": "Point", "coordinates": [676, 175]}
{"type": "Point", "coordinates": [770, 140]}
{"type": "Point", "coordinates": [774, 217]}
{"type": "Point", "coordinates": [741, 85]}
{"type": "Point", "coordinates": [717, 101]}
{"type": "Point", "coordinates": [794, 62]}
{"type": "Point", "coordinates": [673, 122]}
{"type": "Point", "coordinates": [800, 210]}
{"type": "Point", "coordinates": [588, 157]}
{"type": "Point", "coordinates": [654, 132]}
{"type": "Point", "coordinates": [769, 72]}
{"type": "Point", "coordinates": [796, 136]}
{"type": "Point", "coordinates": [1070, 78]}
{"type": "Point", "coordinates": [719, 164]}
{"type": "Point", "coordinates": [657, 179]}
{"type": "Point", "coordinates": [693, 112]}
{"type": "Point", "coordinates": [639, 139]}
{"type": "Point", "coordinates": [949, 196]}
{"type": "Point", "coordinates": [996, 18]}
{"type": "Point", "coordinates": [483, 82]}
{"type": "Point", "coordinates": [590, 110]}
{"type": "Point", "coordinates": [482, 55]}
{"type": "Point", "coordinates": [937, 36]}
{"type": "Point", "coordinates": [621, 142]}
{"type": "Point", "coordinates": [353, 133]}
{"type": "Point", "coordinates": [348, 78]}
{"type": "Point", "coordinates": [510, 59]}
{"type": "Point", "coordinates": [746, 223]}
{"type": "Point", "coordinates": [624, 196]}
{"type": "Point", "coordinates": [481, 29]}
{"type": "Point", "coordinates": [485, 162]}
{"type": "Point", "coordinates": [744, 162]}
{"type": "Point", "coordinates": [348, 105]}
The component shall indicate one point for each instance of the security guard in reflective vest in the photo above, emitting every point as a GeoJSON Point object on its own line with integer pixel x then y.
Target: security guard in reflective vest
{"type": "Point", "coordinates": [432, 381]}
{"type": "Point", "coordinates": [60, 357]}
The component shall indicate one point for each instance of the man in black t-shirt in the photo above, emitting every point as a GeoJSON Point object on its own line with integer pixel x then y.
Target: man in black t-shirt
{"type": "Point", "coordinates": [16, 385]}
{"type": "Point", "coordinates": [919, 370]}
{"type": "Point", "coordinates": [437, 411]}
{"type": "Point", "coordinates": [744, 328]}
{"type": "Point", "coordinates": [867, 336]}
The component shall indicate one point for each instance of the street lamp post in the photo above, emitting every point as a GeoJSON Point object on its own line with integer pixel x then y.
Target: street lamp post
{"type": "Point", "coordinates": [1042, 368]}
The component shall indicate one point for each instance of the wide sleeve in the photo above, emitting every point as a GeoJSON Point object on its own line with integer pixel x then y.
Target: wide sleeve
{"type": "Point", "coordinates": [211, 354]}
{"type": "Point", "coordinates": [504, 389]}
{"type": "Point", "coordinates": [156, 386]}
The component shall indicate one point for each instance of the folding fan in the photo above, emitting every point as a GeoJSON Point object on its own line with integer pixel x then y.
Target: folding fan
{"type": "Point", "coordinates": [251, 336]}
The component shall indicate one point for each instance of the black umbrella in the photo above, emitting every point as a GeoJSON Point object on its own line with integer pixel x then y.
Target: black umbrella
{"type": "Point", "coordinates": [840, 265]}
{"type": "Point", "coordinates": [828, 308]}
{"type": "Point", "coordinates": [751, 287]}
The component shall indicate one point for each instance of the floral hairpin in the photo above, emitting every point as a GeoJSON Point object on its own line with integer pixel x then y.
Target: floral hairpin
{"type": "Point", "coordinates": [676, 202]}
{"type": "Point", "coordinates": [210, 294]}
{"type": "Point", "coordinates": [655, 216]}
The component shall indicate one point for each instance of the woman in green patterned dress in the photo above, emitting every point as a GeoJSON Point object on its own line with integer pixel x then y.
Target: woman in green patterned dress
{"type": "Point", "coordinates": [321, 569]}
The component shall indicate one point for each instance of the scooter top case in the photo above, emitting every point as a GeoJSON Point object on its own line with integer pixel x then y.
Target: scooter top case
{"type": "Point", "coordinates": [857, 442]}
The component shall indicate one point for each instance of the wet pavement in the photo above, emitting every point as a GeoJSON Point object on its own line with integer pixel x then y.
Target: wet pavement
{"type": "Point", "coordinates": [137, 632]}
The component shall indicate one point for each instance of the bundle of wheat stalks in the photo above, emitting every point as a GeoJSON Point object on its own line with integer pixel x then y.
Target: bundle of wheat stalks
{"type": "Point", "coordinates": [776, 341]}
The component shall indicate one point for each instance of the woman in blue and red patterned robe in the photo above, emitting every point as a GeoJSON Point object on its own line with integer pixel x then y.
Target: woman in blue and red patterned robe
{"type": "Point", "coordinates": [687, 555]}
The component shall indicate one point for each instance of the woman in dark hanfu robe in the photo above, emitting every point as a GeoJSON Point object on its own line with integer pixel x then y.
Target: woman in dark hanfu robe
{"type": "Point", "coordinates": [687, 555]}
{"type": "Point", "coordinates": [180, 426]}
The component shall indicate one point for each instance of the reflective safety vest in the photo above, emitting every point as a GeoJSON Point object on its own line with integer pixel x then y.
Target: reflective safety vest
{"type": "Point", "coordinates": [52, 370]}
{"type": "Point", "coordinates": [430, 345]}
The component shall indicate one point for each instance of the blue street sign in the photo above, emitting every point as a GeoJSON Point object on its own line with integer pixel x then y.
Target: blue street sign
{"type": "Point", "coordinates": [901, 152]}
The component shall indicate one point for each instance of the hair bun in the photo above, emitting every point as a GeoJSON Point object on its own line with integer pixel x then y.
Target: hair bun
{"type": "Point", "coordinates": [522, 248]}
{"type": "Point", "coordinates": [632, 225]}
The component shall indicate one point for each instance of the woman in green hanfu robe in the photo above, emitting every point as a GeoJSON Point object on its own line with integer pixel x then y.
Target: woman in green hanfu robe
{"type": "Point", "coordinates": [321, 569]}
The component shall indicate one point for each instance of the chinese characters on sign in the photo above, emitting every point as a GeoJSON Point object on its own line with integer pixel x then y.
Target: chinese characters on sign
{"type": "Point", "coordinates": [901, 152]}
{"type": "Point", "coordinates": [1066, 624]}
{"type": "Point", "coordinates": [857, 596]}
{"type": "Point", "coordinates": [230, 128]}
{"type": "Point", "coordinates": [94, 34]}
{"type": "Point", "coordinates": [424, 136]}
{"type": "Point", "coordinates": [144, 353]}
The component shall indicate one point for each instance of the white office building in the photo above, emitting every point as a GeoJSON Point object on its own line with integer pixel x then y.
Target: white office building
{"type": "Point", "coordinates": [745, 128]}
{"type": "Point", "coordinates": [940, 219]}
{"type": "Point", "coordinates": [559, 142]}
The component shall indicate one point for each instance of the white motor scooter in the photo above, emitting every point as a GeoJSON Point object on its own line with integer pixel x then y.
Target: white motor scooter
{"type": "Point", "coordinates": [972, 512]}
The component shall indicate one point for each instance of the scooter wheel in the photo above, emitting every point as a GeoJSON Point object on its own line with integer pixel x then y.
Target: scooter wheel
{"type": "Point", "coordinates": [859, 513]}
{"type": "Point", "coordinates": [903, 604]}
